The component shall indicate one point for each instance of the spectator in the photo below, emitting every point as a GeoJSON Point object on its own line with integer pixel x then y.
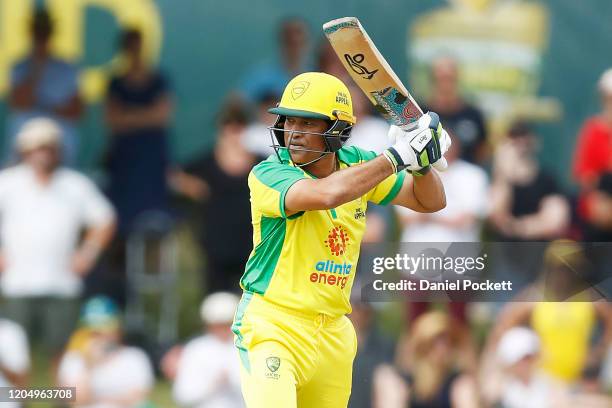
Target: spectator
{"type": "Point", "coordinates": [208, 372]}
{"type": "Point", "coordinates": [14, 357]}
{"type": "Point", "coordinates": [257, 135]}
{"type": "Point", "coordinates": [105, 372]}
{"type": "Point", "coordinates": [600, 210]}
{"type": "Point", "coordinates": [44, 85]}
{"type": "Point", "coordinates": [374, 350]}
{"type": "Point", "coordinates": [271, 77]}
{"type": "Point", "coordinates": [593, 154]}
{"type": "Point", "coordinates": [510, 376]}
{"type": "Point", "coordinates": [593, 166]}
{"type": "Point", "coordinates": [466, 188]}
{"type": "Point", "coordinates": [526, 202]}
{"type": "Point", "coordinates": [43, 208]}
{"type": "Point", "coordinates": [430, 363]}
{"type": "Point", "coordinates": [560, 310]}
{"type": "Point", "coordinates": [218, 180]}
{"type": "Point", "coordinates": [462, 120]}
{"type": "Point", "coordinates": [138, 113]}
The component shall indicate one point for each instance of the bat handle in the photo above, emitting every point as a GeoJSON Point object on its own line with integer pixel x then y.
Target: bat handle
{"type": "Point", "coordinates": [407, 127]}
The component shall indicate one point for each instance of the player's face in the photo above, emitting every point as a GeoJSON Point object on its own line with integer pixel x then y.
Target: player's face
{"type": "Point", "coordinates": [303, 134]}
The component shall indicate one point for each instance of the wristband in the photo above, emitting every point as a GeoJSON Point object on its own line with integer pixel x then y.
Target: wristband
{"type": "Point", "coordinates": [391, 158]}
{"type": "Point", "coordinates": [420, 172]}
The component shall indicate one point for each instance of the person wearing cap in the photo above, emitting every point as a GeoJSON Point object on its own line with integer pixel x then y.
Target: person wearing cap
{"type": "Point", "coordinates": [308, 210]}
{"type": "Point", "coordinates": [208, 373]}
{"type": "Point", "coordinates": [44, 207]}
{"type": "Point", "coordinates": [43, 84]}
{"type": "Point", "coordinates": [510, 375]}
{"type": "Point", "coordinates": [105, 372]}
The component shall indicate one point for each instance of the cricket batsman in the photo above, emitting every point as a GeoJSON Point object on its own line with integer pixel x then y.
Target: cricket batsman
{"type": "Point", "coordinates": [308, 204]}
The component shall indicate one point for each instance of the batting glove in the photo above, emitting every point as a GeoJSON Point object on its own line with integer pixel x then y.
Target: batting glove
{"type": "Point", "coordinates": [420, 148]}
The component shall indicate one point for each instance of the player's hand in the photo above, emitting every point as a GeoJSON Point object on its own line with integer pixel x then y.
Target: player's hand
{"type": "Point", "coordinates": [419, 148]}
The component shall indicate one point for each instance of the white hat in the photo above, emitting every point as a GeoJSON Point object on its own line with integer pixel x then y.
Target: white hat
{"type": "Point", "coordinates": [605, 82]}
{"type": "Point", "coordinates": [219, 308]}
{"type": "Point", "coordinates": [38, 132]}
{"type": "Point", "coordinates": [516, 344]}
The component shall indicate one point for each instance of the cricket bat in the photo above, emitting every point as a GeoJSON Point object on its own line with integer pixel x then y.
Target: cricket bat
{"type": "Point", "coordinates": [373, 74]}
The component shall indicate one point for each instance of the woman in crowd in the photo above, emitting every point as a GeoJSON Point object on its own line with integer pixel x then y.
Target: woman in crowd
{"type": "Point", "coordinates": [430, 364]}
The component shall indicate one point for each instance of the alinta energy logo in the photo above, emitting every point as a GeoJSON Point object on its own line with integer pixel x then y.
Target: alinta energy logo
{"type": "Point", "coordinates": [328, 271]}
{"type": "Point", "coordinates": [337, 241]}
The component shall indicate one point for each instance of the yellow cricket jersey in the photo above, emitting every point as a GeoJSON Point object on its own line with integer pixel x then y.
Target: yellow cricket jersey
{"type": "Point", "coordinates": [565, 330]}
{"type": "Point", "coordinates": [307, 261]}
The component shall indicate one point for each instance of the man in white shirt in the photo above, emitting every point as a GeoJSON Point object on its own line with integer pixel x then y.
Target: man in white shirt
{"type": "Point", "coordinates": [14, 357]}
{"type": "Point", "coordinates": [43, 210]}
{"type": "Point", "coordinates": [208, 372]}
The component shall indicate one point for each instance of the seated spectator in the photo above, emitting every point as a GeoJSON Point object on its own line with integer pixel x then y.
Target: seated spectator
{"type": "Point", "coordinates": [44, 208]}
{"type": "Point", "coordinates": [105, 372]}
{"type": "Point", "coordinates": [14, 357]}
{"type": "Point", "coordinates": [374, 350]}
{"type": "Point", "coordinates": [462, 120]}
{"type": "Point", "coordinates": [138, 113]}
{"type": "Point", "coordinates": [431, 367]}
{"type": "Point", "coordinates": [271, 77]}
{"type": "Point", "coordinates": [218, 181]}
{"type": "Point", "coordinates": [592, 161]}
{"type": "Point", "coordinates": [44, 85]}
{"type": "Point", "coordinates": [208, 373]}
{"type": "Point", "coordinates": [526, 202]}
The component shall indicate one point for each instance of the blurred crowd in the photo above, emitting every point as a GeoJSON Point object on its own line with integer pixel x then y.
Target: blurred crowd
{"type": "Point", "coordinates": [67, 244]}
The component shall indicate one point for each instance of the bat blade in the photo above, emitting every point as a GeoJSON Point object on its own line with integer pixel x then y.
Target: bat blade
{"type": "Point", "coordinates": [371, 72]}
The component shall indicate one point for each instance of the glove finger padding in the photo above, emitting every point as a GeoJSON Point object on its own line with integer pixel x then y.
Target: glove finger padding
{"type": "Point", "coordinates": [441, 165]}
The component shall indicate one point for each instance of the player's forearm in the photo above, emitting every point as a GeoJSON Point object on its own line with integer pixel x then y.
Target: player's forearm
{"type": "Point", "coordinates": [349, 184]}
{"type": "Point", "coordinates": [429, 191]}
{"type": "Point", "coordinates": [338, 188]}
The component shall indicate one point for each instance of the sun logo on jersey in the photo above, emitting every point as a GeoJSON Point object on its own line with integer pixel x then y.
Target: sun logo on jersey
{"type": "Point", "coordinates": [337, 241]}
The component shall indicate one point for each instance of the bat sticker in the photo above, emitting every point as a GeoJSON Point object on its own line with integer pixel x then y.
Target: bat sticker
{"type": "Point", "coordinates": [354, 63]}
{"type": "Point", "coordinates": [397, 106]}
